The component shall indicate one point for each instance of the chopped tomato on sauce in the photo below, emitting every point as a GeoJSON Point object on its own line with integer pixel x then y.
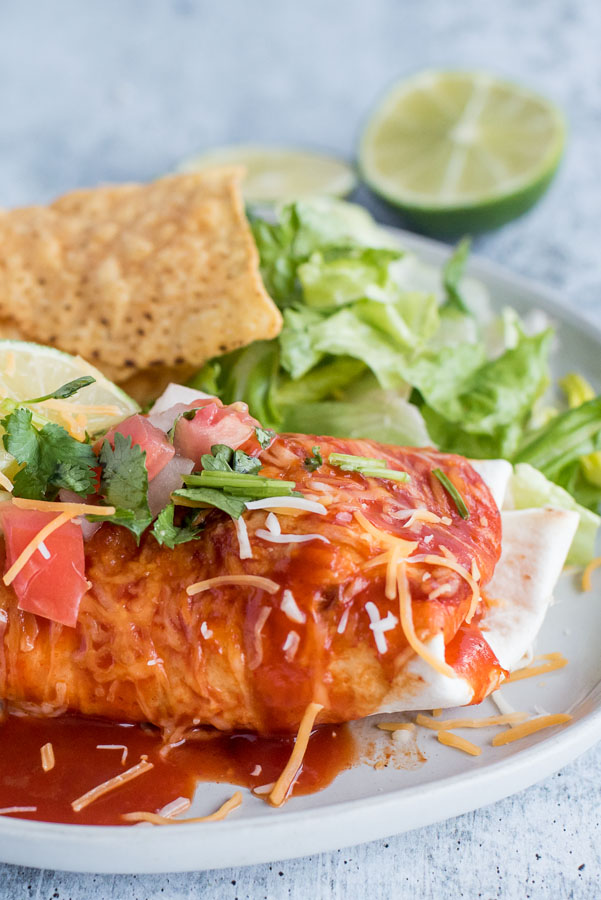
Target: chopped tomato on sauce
{"type": "Point", "coordinates": [52, 582]}
{"type": "Point", "coordinates": [213, 424]}
{"type": "Point", "coordinates": [152, 440]}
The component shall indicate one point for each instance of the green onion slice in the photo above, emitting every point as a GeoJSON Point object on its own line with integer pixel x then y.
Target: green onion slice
{"type": "Point", "coordinates": [453, 493]}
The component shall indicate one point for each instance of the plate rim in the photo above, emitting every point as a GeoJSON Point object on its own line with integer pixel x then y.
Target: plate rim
{"type": "Point", "coordinates": [525, 767]}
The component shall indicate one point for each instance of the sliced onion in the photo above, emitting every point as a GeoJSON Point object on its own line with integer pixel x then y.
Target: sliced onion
{"type": "Point", "coordinates": [168, 480]}
{"type": "Point", "coordinates": [175, 400]}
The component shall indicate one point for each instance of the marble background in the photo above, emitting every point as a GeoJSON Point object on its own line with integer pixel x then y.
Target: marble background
{"type": "Point", "coordinates": [122, 89]}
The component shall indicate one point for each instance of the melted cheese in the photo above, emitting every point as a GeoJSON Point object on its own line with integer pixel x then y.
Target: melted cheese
{"type": "Point", "coordinates": [453, 740]}
{"type": "Point", "coordinates": [530, 727]}
{"type": "Point", "coordinates": [265, 584]}
{"type": "Point", "coordinates": [290, 772]}
{"type": "Point", "coordinates": [157, 819]}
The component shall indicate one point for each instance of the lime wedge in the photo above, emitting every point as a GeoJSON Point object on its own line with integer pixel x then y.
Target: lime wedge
{"type": "Point", "coordinates": [32, 370]}
{"type": "Point", "coordinates": [278, 174]}
{"type": "Point", "coordinates": [461, 151]}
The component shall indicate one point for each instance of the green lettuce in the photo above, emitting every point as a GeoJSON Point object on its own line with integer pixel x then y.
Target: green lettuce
{"type": "Point", "coordinates": [529, 488]}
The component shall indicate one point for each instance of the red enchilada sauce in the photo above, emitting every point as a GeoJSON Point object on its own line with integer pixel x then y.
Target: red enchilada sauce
{"type": "Point", "coordinates": [81, 766]}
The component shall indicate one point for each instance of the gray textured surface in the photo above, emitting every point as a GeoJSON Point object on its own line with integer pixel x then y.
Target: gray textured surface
{"type": "Point", "coordinates": [121, 90]}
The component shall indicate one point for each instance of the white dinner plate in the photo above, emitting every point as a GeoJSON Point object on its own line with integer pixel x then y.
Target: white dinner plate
{"type": "Point", "coordinates": [365, 803]}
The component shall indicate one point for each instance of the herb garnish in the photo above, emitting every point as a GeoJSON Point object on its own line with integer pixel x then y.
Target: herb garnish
{"type": "Point", "coordinates": [65, 390]}
{"type": "Point", "coordinates": [364, 465]}
{"type": "Point", "coordinates": [124, 483]}
{"type": "Point", "coordinates": [314, 461]}
{"type": "Point", "coordinates": [453, 493]}
{"type": "Point", "coordinates": [165, 532]}
{"type": "Point", "coordinates": [51, 458]}
{"type": "Point", "coordinates": [223, 459]}
{"type": "Point", "coordinates": [264, 436]}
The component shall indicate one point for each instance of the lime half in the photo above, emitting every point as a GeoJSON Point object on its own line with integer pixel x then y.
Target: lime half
{"type": "Point", "coordinates": [32, 370]}
{"type": "Point", "coordinates": [461, 151]}
{"type": "Point", "coordinates": [278, 174]}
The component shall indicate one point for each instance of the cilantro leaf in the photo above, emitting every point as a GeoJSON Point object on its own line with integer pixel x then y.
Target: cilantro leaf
{"type": "Point", "coordinates": [233, 506]}
{"type": "Point", "coordinates": [51, 458]}
{"type": "Point", "coordinates": [314, 461]}
{"type": "Point", "coordinates": [223, 459]}
{"type": "Point", "coordinates": [165, 532]}
{"type": "Point", "coordinates": [65, 390]}
{"type": "Point", "coordinates": [124, 483]}
{"type": "Point", "coordinates": [264, 436]}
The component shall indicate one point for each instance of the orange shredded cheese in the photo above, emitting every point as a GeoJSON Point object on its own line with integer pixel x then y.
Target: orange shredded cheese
{"type": "Point", "coordinates": [453, 740]}
{"type": "Point", "coordinates": [112, 784]}
{"type": "Point", "coordinates": [586, 575]}
{"type": "Point", "coordinates": [396, 726]}
{"type": "Point", "coordinates": [445, 724]}
{"type": "Point", "coordinates": [33, 545]}
{"type": "Point", "coordinates": [406, 615]}
{"type": "Point", "coordinates": [265, 584]}
{"type": "Point", "coordinates": [554, 661]}
{"type": "Point", "coordinates": [530, 727]}
{"type": "Point", "coordinates": [5, 482]}
{"type": "Point", "coordinates": [437, 712]}
{"type": "Point", "coordinates": [47, 754]}
{"type": "Point", "coordinates": [75, 509]}
{"type": "Point", "coordinates": [290, 772]}
{"type": "Point", "coordinates": [156, 819]}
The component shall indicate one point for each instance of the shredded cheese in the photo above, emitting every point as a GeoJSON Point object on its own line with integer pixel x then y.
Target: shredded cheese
{"type": "Point", "coordinates": [290, 772]}
{"type": "Point", "coordinates": [453, 740]}
{"type": "Point", "coordinates": [156, 819]}
{"type": "Point", "coordinates": [272, 523]}
{"type": "Point", "coordinates": [291, 609]}
{"type": "Point", "coordinates": [288, 538]}
{"type": "Point", "coordinates": [379, 625]}
{"type": "Point", "coordinates": [460, 570]}
{"type": "Point", "coordinates": [245, 550]}
{"type": "Point", "coordinates": [112, 784]}
{"type": "Point", "coordinates": [343, 621]}
{"type": "Point", "coordinates": [554, 661]}
{"type": "Point", "coordinates": [437, 712]}
{"type": "Point", "coordinates": [10, 810]}
{"type": "Point", "coordinates": [177, 806]}
{"type": "Point", "coordinates": [444, 725]}
{"type": "Point", "coordinates": [76, 509]}
{"type": "Point", "coordinates": [530, 727]}
{"type": "Point", "coordinates": [265, 584]}
{"type": "Point", "coordinates": [122, 747]}
{"type": "Point", "coordinates": [503, 705]}
{"type": "Point", "coordinates": [288, 503]}
{"type": "Point", "coordinates": [406, 615]}
{"type": "Point", "coordinates": [26, 554]}
{"type": "Point", "coordinates": [396, 726]}
{"type": "Point", "coordinates": [291, 645]}
{"type": "Point", "coordinates": [47, 754]}
{"type": "Point", "coordinates": [586, 575]}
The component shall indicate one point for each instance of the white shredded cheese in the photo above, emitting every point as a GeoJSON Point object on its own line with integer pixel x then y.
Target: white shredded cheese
{"type": "Point", "coordinates": [44, 550]}
{"type": "Point", "coordinates": [289, 538]}
{"type": "Point", "coordinates": [245, 550]}
{"type": "Point", "coordinates": [256, 771]}
{"type": "Point", "coordinates": [503, 705]}
{"type": "Point", "coordinates": [343, 621]}
{"type": "Point", "coordinates": [206, 631]}
{"type": "Point", "coordinates": [291, 645]}
{"type": "Point", "coordinates": [291, 609]}
{"type": "Point", "coordinates": [379, 625]}
{"type": "Point", "coordinates": [428, 539]}
{"type": "Point", "coordinates": [273, 523]}
{"type": "Point", "coordinates": [175, 807]}
{"type": "Point", "coordinates": [288, 503]}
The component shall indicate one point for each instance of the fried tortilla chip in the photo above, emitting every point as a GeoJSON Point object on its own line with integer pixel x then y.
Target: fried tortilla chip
{"type": "Point", "coordinates": [147, 281]}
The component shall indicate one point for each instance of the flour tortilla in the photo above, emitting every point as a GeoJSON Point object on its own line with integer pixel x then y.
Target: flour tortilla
{"type": "Point", "coordinates": [535, 545]}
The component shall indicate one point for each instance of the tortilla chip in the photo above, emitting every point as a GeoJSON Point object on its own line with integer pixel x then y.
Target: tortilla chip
{"type": "Point", "coordinates": [137, 278]}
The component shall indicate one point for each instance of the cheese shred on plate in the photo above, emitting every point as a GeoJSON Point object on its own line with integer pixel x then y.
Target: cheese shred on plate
{"type": "Point", "coordinates": [453, 740]}
{"type": "Point", "coordinates": [445, 724]}
{"type": "Point", "coordinates": [530, 727]}
{"type": "Point", "coordinates": [156, 819]}
{"type": "Point", "coordinates": [112, 784]}
{"type": "Point", "coordinates": [265, 584]}
{"type": "Point", "coordinates": [553, 661]}
{"type": "Point", "coordinates": [47, 754]}
{"type": "Point", "coordinates": [288, 776]}
{"type": "Point", "coordinates": [586, 575]}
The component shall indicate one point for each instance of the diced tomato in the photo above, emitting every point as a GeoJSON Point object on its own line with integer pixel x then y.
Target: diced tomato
{"type": "Point", "coordinates": [50, 587]}
{"type": "Point", "coordinates": [156, 444]}
{"type": "Point", "coordinates": [216, 424]}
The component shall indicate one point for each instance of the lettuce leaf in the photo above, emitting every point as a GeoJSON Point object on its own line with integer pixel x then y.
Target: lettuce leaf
{"type": "Point", "coordinates": [529, 488]}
